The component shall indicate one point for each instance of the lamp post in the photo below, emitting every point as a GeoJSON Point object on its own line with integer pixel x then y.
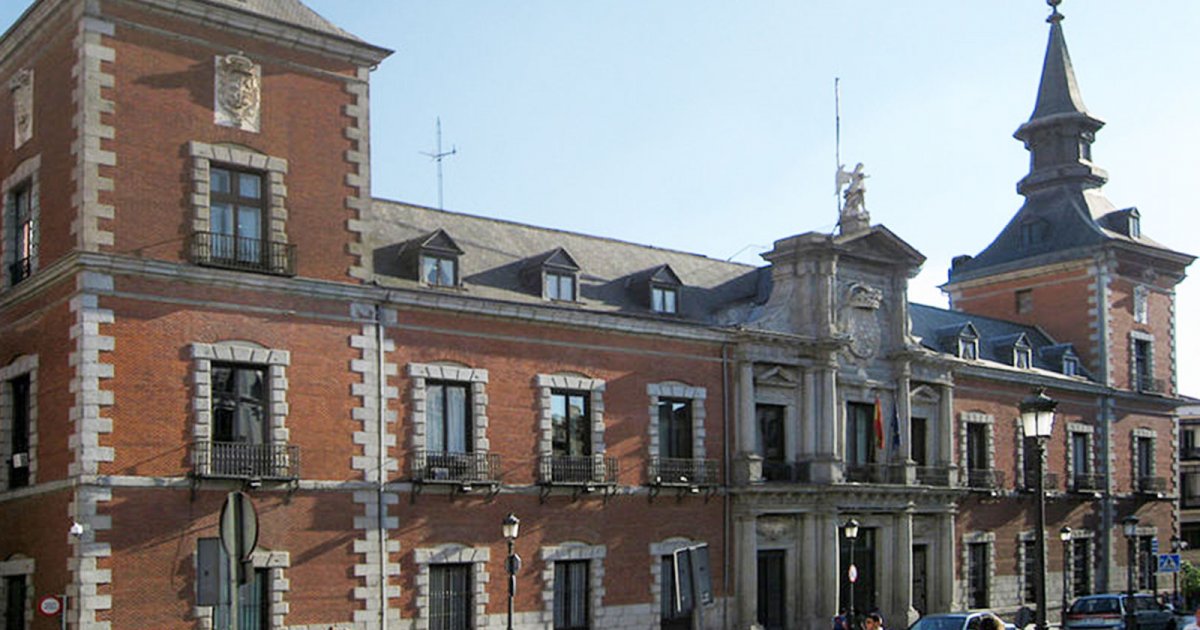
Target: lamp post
{"type": "Point", "coordinates": [1130, 524]}
{"type": "Point", "coordinates": [1176, 547]}
{"type": "Point", "coordinates": [510, 527]}
{"type": "Point", "coordinates": [1064, 535]}
{"type": "Point", "coordinates": [851, 531]}
{"type": "Point", "coordinates": [1037, 418]}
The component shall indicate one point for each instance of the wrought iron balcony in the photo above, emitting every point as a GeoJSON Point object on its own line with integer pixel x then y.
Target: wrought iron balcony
{"type": "Point", "coordinates": [20, 270]}
{"type": "Point", "coordinates": [247, 254]}
{"type": "Point", "coordinates": [933, 475]}
{"type": "Point", "coordinates": [1087, 482]}
{"type": "Point", "coordinates": [787, 472]}
{"type": "Point", "coordinates": [455, 468]}
{"type": "Point", "coordinates": [876, 473]}
{"type": "Point", "coordinates": [240, 460]}
{"type": "Point", "coordinates": [585, 470]}
{"type": "Point", "coordinates": [1189, 502]}
{"type": "Point", "coordinates": [985, 478]}
{"type": "Point", "coordinates": [1151, 485]}
{"type": "Point", "coordinates": [1147, 384]}
{"type": "Point", "coordinates": [1049, 480]}
{"type": "Point", "coordinates": [1192, 453]}
{"type": "Point", "coordinates": [667, 471]}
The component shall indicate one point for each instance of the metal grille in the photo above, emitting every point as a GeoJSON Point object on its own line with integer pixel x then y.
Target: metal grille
{"type": "Point", "coordinates": [985, 478]}
{"type": "Point", "coordinates": [450, 597]}
{"type": "Point", "coordinates": [875, 473]}
{"type": "Point", "coordinates": [583, 470]}
{"type": "Point", "coordinates": [668, 471]}
{"type": "Point", "coordinates": [933, 475]}
{"type": "Point", "coordinates": [796, 472]}
{"type": "Point", "coordinates": [239, 460]}
{"type": "Point", "coordinates": [20, 270]}
{"type": "Point", "coordinates": [434, 466]}
{"type": "Point", "coordinates": [247, 254]}
{"type": "Point", "coordinates": [1088, 482]}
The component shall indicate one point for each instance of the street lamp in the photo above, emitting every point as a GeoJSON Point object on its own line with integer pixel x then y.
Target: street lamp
{"type": "Point", "coordinates": [1064, 535]}
{"type": "Point", "coordinates": [1176, 546]}
{"type": "Point", "coordinates": [510, 527]}
{"type": "Point", "coordinates": [1037, 418]}
{"type": "Point", "coordinates": [851, 531]}
{"type": "Point", "coordinates": [1130, 524]}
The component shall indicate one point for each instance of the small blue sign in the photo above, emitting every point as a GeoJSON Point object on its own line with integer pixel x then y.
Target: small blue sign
{"type": "Point", "coordinates": [1153, 545]}
{"type": "Point", "coordinates": [1168, 563]}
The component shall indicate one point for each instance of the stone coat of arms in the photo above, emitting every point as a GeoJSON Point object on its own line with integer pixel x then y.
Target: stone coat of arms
{"type": "Point", "coordinates": [21, 87]}
{"type": "Point", "coordinates": [238, 92]}
{"type": "Point", "coordinates": [859, 319]}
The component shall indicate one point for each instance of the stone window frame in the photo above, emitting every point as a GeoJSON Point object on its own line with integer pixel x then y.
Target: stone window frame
{"type": "Point", "coordinates": [546, 385]}
{"type": "Point", "coordinates": [575, 551]}
{"type": "Point", "coordinates": [26, 364]}
{"type": "Point", "coordinates": [977, 417]}
{"type": "Point", "coordinates": [477, 378]}
{"type": "Point", "coordinates": [678, 390]}
{"type": "Point", "coordinates": [1134, 436]}
{"type": "Point", "coordinates": [1089, 536]}
{"type": "Point", "coordinates": [453, 553]}
{"type": "Point", "coordinates": [25, 174]}
{"type": "Point", "coordinates": [1023, 560]}
{"type": "Point", "coordinates": [17, 565]}
{"type": "Point", "coordinates": [274, 169]}
{"type": "Point", "coordinates": [248, 353]}
{"type": "Point", "coordinates": [657, 551]}
{"type": "Point", "coordinates": [1073, 429]}
{"type": "Point", "coordinates": [968, 539]}
{"type": "Point", "coordinates": [1141, 304]}
{"type": "Point", "coordinates": [1136, 379]}
{"type": "Point", "coordinates": [277, 563]}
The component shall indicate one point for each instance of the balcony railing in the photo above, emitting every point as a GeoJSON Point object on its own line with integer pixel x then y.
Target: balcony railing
{"type": "Point", "coordinates": [875, 473]}
{"type": "Point", "coordinates": [1189, 453]}
{"type": "Point", "coordinates": [668, 471]}
{"type": "Point", "coordinates": [460, 468]}
{"type": "Point", "coordinates": [247, 254]}
{"type": "Point", "coordinates": [787, 472]}
{"type": "Point", "coordinates": [20, 270]}
{"type": "Point", "coordinates": [1151, 485]}
{"type": "Point", "coordinates": [583, 470]}
{"type": "Point", "coordinates": [240, 460]}
{"type": "Point", "coordinates": [1087, 482]}
{"type": "Point", "coordinates": [933, 475]}
{"type": "Point", "coordinates": [985, 478]}
{"type": "Point", "coordinates": [1149, 385]}
{"type": "Point", "coordinates": [1050, 480]}
{"type": "Point", "coordinates": [1189, 502]}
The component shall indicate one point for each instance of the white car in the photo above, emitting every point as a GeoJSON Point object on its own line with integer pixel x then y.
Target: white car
{"type": "Point", "coordinates": [954, 621]}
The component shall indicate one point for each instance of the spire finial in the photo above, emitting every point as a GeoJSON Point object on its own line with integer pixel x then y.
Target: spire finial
{"type": "Point", "coordinates": [1055, 16]}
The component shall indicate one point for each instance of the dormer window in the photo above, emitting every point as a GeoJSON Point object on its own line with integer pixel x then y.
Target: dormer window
{"type": "Point", "coordinates": [559, 286]}
{"type": "Point", "coordinates": [664, 299]}
{"type": "Point", "coordinates": [555, 274]}
{"type": "Point", "coordinates": [1070, 366]}
{"type": "Point", "coordinates": [968, 348]}
{"type": "Point", "coordinates": [1022, 358]}
{"type": "Point", "coordinates": [662, 289]}
{"type": "Point", "coordinates": [439, 270]}
{"type": "Point", "coordinates": [1135, 225]}
{"type": "Point", "coordinates": [1034, 232]}
{"type": "Point", "coordinates": [433, 259]}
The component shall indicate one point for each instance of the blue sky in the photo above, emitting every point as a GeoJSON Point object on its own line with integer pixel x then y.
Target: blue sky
{"type": "Point", "coordinates": [708, 126]}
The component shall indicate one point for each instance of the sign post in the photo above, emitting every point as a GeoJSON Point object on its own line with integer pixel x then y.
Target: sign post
{"type": "Point", "coordinates": [239, 536]}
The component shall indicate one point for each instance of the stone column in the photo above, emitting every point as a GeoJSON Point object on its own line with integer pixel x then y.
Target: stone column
{"type": "Point", "coordinates": [903, 425]}
{"type": "Point", "coordinates": [819, 585]}
{"type": "Point", "coordinates": [746, 570]}
{"type": "Point", "coordinates": [747, 430]}
{"type": "Point", "coordinates": [903, 613]}
{"type": "Point", "coordinates": [941, 592]}
{"type": "Point", "coordinates": [828, 458]}
{"type": "Point", "coordinates": [946, 430]}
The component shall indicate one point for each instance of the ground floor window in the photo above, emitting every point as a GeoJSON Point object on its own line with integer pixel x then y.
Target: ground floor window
{"type": "Point", "coordinates": [450, 605]}
{"type": "Point", "coordinates": [977, 575]}
{"type": "Point", "coordinates": [14, 602]}
{"type": "Point", "coordinates": [571, 595]}
{"type": "Point", "coordinates": [674, 615]}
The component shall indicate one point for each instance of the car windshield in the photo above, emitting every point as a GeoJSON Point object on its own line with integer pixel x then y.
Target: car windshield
{"type": "Point", "coordinates": [938, 623]}
{"type": "Point", "coordinates": [1097, 605]}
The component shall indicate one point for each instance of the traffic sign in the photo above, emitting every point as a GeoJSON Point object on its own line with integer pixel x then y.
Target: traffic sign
{"type": "Point", "coordinates": [1168, 563]}
{"type": "Point", "coordinates": [50, 605]}
{"type": "Point", "coordinates": [1153, 545]}
{"type": "Point", "coordinates": [239, 530]}
{"type": "Point", "coordinates": [853, 574]}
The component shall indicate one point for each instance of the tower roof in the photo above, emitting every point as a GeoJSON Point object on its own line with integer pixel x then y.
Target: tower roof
{"type": "Point", "coordinates": [1058, 92]}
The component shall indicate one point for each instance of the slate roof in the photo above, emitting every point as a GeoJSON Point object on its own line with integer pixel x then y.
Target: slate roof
{"type": "Point", "coordinates": [291, 12]}
{"type": "Point", "coordinates": [996, 336]}
{"type": "Point", "coordinates": [613, 274]}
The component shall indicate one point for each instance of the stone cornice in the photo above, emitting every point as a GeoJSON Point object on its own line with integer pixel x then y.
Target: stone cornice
{"type": "Point", "coordinates": [26, 26]}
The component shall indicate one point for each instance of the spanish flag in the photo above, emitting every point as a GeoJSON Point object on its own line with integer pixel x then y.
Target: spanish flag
{"type": "Point", "coordinates": [878, 423]}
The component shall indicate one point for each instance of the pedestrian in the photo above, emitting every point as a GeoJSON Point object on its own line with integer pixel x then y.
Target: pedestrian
{"type": "Point", "coordinates": [841, 621]}
{"type": "Point", "coordinates": [990, 621]}
{"type": "Point", "coordinates": [873, 622]}
{"type": "Point", "coordinates": [1194, 624]}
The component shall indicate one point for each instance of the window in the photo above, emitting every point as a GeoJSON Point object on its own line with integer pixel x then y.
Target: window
{"type": "Point", "coordinates": [1081, 461]}
{"type": "Point", "coordinates": [1189, 490]}
{"type": "Point", "coordinates": [918, 440]}
{"type": "Point", "coordinates": [1144, 461]}
{"type": "Point", "coordinates": [24, 244]}
{"type": "Point", "coordinates": [772, 589]}
{"type": "Point", "coordinates": [1147, 563]}
{"type": "Point", "coordinates": [1135, 225]}
{"type": "Point", "coordinates": [449, 425]}
{"type": "Point", "coordinates": [571, 427]}
{"type": "Point", "coordinates": [18, 455]}
{"type": "Point", "coordinates": [254, 602]}
{"type": "Point", "coordinates": [1187, 441]}
{"type": "Point", "coordinates": [236, 214]}
{"type": "Point", "coordinates": [1190, 533]}
{"type": "Point", "coordinates": [673, 615]}
{"type": "Point", "coordinates": [450, 597]}
{"type": "Point", "coordinates": [664, 299]}
{"type": "Point", "coordinates": [1022, 358]}
{"type": "Point", "coordinates": [1034, 232]}
{"type": "Point", "coordinates": [770, 421]}
{"type": "Point", "coordinates": [978, 452]}
{"type": "Point", "coordinates": [1081, 566]}
{"type": "Point", "coordinates": [675, 428]}
{"type": "Point", "coordinates": [571, 421]}
{"type": "Point", "coordinates": [1070, 366]}
{"type": "Point", "coordinates": [262, 599]}
{"type": "Point", "coordinates": [968, 348]}
{"type": "Point", "coordinates": [978, 556]}
{"type": "Point", "coordinates": [239, 404]}
{"type": "Point", "coordinates": [571, 595]}
{"type": "Point", "coordinates": [860, 434]}
{"type": "Point", "coordinates": [439, 271]}
{"type": "Point", "coordinates": [560, 287]}
{"type": "Point", "coordinates": [1030, 571]}
{"type": "Point", "coordinates": [1143, 366]}
{"type": "Point", "coordinates": [1141, 306]}
{"type": "Point", "coordinates": [1024, 301]}
{"type": "Point", "coordinates": [14, 602]}
{"type": "Point", "coordinates": [448, 428]}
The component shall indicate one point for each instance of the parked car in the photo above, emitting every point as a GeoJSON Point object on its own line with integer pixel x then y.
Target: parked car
{"type": "Point", "coordinates": [954, 621]}
{"type": "Point", "coordinates": [1107, 612]}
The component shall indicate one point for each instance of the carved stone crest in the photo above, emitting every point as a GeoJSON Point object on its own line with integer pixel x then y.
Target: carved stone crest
{"type": "Point", "coordinates": [860, 319]}
{"type": "Point", "coordinates": [238, 92]}
{"type": "Point", "coordinates": [773, 528]}
{"type": "Point", "coordinates": [21, 87]}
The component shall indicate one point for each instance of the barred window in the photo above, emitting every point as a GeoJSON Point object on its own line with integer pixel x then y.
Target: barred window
{"type": "Point", "coordinates": [571, 595]}
{"type": "Point", "coordinates": [450, 605]}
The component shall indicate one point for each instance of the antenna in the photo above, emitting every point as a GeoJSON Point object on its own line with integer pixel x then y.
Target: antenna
{"type": "Point", "coordinates": [837, 137]}
{"type": "Point", "coordinates": [437, 157]}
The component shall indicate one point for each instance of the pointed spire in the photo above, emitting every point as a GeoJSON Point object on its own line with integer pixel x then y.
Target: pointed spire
{"type": "Point", "coordinates": [1058, 92]}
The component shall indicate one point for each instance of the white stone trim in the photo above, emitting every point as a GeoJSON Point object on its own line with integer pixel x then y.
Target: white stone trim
{"type": "Point", "coordinates": [572, 551]}
{"type": "Point", "coordinates": [91, 134]}
{"type": "Point", "coordinates": [968, 417]}
{"type": "Point", "coordinates": [478, 557]}
{"type": "Point", "coordinates": [245, 353]}
{"type": "Point", "coordinates": [1023, 560]}
{"type": "Point", "coordinates": [675, 389]}
{"type": "Point", "coordinates": [420, 373]}
{"type": "Point", "coordinates": [377, 465]}
{"type": "Point", "coordinates": [358, 132]}
{"type": "Point", "coordinates": [1093, 548]}
{"type": "Point", "coordinates": [968, 539]}
{"type": "Point", "coordinates": [26, 174]}
{"type": "Point", "coordinates": [278, 586]}
{"type": "Point", "coordinates": [18, 566]}
{"type": "Point", "coordinates": [546, 384]}
{"type": "Point", "coordinates": [22, 365]}
{"type": "Point", "coordinates": [275, 169]}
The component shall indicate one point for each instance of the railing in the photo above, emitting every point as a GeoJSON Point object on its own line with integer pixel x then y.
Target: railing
{"type": "Point", "coordinates": [1189, 453]}
{"type": "Point", "coordinates": [1049, 480]}
{"type": "Point", "coordinates": [1087, 482]}
{"type": "Point", "coordinates": [240, 460]}
{"type": "Point", "coordinates": [584, 470]}
{"type": "Point", "coordinates": [875, 473]}
{"type": "Point", "coordinates": [443, 467]}
{"type": "Point", "coordinates": [933, 475]}
{"type": "Point", "coordinates": [666, 471]}
{"type": "Point", "coordinates": [1151, 485]}
{"type": "Point", "coordinates": [985, 478]}
{"type": "Point", "coordinates": [1150, 385]}
{"type": "Point", "coordinates": [20, 270]}
{"type": "Point", "coordinates": [787, 472]}
{"type": "Point", "coordinates": [1189, 501]}
{"type": "Point", "coordinates": [248, 254]}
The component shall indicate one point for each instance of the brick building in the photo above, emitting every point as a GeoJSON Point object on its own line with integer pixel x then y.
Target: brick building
{"type": "Point", "coordinates": [200, 296]}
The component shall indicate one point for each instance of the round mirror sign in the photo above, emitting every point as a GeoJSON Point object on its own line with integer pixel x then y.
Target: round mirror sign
{"type": "Point", "coordinates": [50, 605]}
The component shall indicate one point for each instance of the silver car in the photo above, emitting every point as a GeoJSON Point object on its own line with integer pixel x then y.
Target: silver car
{"type": "Point", "coordinates": [1107, 612]}
{"type": "Point", "coordinates": [954, 621]}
